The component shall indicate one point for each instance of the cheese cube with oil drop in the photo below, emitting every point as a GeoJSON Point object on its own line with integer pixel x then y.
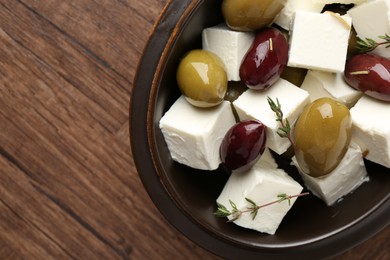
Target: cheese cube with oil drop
{"type": "Point", "coordinates": [371, 129]}
{"type": "Point", "coordinates": [326, 84]}
{"type": "Point", "coordinates": [371, 20]}
{"type": "Point", "coordinates": [262, 184]}
{"type": "Point", "coordinates": [319, 41]}
{"type": "Point", "coordinates": [194, 135]}
{"type": "Point", "coordinates": [286, 16]}
{"type": "Point", "coordinates": [253, 104]}
{"type": "Point", "coordinates": [230, 46]}
{"type": "Point", "coordinates": [344, 179]}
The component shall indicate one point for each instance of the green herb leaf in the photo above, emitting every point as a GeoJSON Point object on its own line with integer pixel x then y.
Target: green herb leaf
{"type": "Point", "coordinates": [368, 44]}
{"type": "Point", "coordinates": [222, 211]}
{"type": "Point", "coordinates": [236, 214]}
{"type": "Point", "coordinates": [254, 208]}
{"type": "Point", "coordinates": [251, 202]}
{"type": "Point", "coordinates": [233, 205]}
{"type": "Point", "coordinates": [282, 197]}
{"type": "Point", "coordinates": [284, 130]}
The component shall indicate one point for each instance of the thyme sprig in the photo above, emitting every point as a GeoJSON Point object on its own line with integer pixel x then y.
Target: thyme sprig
{"type": "Point", "coordinates": [284, 130]}
{"type": "Point", "coordinates": [253, 208]}
{"type": "Point", "coordinates": [368, 44]}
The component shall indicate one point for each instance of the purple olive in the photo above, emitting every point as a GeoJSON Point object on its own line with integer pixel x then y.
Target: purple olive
{"type": "Point", "coordinates": [243, 145]}
{"type": "Point", "coordinates": [370, 74]}
{"type": "Point", "coordinates": [265, 60]}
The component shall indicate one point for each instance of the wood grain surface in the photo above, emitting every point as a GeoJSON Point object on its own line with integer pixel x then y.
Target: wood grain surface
{"type": "Point", "coordinates": [68, 185]}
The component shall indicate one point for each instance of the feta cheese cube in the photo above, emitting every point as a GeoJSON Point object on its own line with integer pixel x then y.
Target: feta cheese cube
{"type": "Point", "coordinates": [319, 41]}
{"type": "Point", "coordinates": [262, 184]}
{"type": "Point", "coordinates": [194, 135]}
{"type": "Point", "coordinates": [372, 19]}
{"type": "Point", "coordinates": [314, 87]}
{"type": "Point", "coordinates": [231, 46]}
{"type": "Point", "coordinates": [348, 176]}
{"type": "Point", "coordinates": [253, 104]}
{"type": "Point", "coordinates": [326, 84]}
{"type": "Point", "coordinates": [286, 16]}
{"type": "Point", "coordinates": [371, 129]}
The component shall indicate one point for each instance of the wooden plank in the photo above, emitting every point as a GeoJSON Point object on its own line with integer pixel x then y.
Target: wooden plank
{"type": "Point", "coordinates": [116, 30]}
{"type": "Point", "coordinates": [62, 120]}
{"type": "Point", "coordinates": [29, 222]}
{"type": "Point", "coordinates": [7, 252]}
{"type": "Point", "coordinates": [73, 65]}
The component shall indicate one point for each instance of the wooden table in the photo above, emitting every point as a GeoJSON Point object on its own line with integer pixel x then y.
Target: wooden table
{"type": "Point", "coordinates": [68, 185]}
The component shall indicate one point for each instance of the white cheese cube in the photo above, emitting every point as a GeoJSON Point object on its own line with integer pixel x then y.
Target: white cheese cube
{"type": "Point", "coordinates": [345, 178]}
{"type": "Point", "coordinates": [372, 19]}
{"type": "Point", "coordinates": [319, 41]}
{"type": "Point", "coordinates": [314, 87]}
{"type": "Point", "coordinates": [371, 129]}
{"type": "Point", "coordinates": [231, 46]}
{"type": "Point", "coordinates": [262, 184]}
{"type": "Point", "coordinates": [326, 84]}
{"type": "Point", "coordinates": [194, 135]}
{"type": "Point", "coordinates": [253, 104]}
{"type": "Point", "coordinates": [286, 16]}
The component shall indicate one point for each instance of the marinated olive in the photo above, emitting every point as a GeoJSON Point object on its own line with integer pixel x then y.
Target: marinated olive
{"type": "Point", "coordinates": [202, 78]}
{"type": "Point", "coordinates": [250, 15]}
{"type": "Point", "coordinates": [370, 74]}
{"type": "Point", "coordinates": [322, 135]}
{"type": "Point", "coordinates": [265, 60]}
{"type": "Point", "coordinates": [243, 145]}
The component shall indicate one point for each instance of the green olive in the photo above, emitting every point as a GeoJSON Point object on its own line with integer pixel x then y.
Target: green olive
{"type": "Point", "coordinates": [250, 15]}
{"type": "Point", "coordinates": [202, 78]}
{"type": "Point", "coordinates": [322, 135]}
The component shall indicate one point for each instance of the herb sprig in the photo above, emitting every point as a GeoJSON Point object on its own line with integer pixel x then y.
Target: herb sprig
{"type": "Point", "coordinates": [253, 209]}
{"type": "Point", "coordinates": [368, 44]}
{"type": "Point", "coordinates": [284, 130]}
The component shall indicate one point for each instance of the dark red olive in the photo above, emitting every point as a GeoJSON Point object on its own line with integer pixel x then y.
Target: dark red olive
{"type": "Point", "coordinates": [370, 74]}
{"type": "Point", "coordinates": [265, 60]}
{"type": "Point", "coordinates": [243, 145]}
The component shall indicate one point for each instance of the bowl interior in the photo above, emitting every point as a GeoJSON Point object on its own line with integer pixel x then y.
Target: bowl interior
{"type": "Point", "coordinates": [195, 192]}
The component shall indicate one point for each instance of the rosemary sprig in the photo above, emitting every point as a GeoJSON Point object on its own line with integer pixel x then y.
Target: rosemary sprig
{"type": "Point", "coordinates": [253, 209]}
{"type": "Point", "coordinates": [284, 130]}
{"type": "Point", "coordinates": [369, 44]}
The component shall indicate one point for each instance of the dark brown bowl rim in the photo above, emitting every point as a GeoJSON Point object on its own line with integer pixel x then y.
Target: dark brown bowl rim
{"type": "Point", "coordinates": [166, 31]}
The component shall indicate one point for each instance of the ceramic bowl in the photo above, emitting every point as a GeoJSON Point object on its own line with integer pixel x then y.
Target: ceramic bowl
{"type": "Point", "coordinates": [186, 197]}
